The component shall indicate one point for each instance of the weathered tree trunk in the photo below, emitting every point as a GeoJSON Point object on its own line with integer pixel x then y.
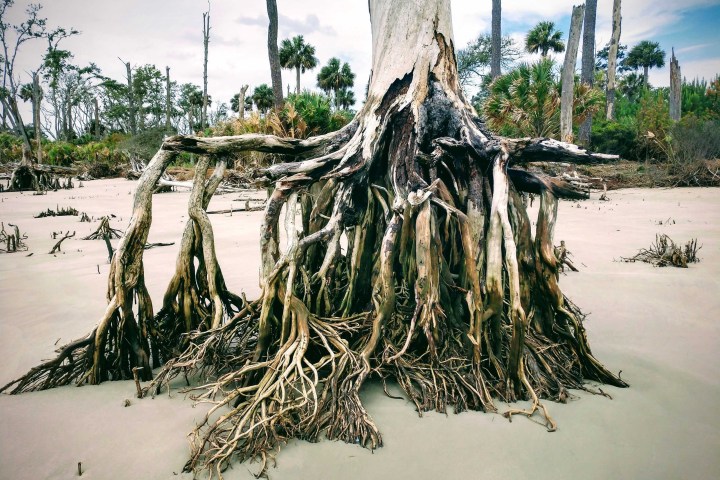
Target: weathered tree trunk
{"type": "Point", "coordinates": [37, 98]}
{"type": "Point", "coordinates": [168, 101]}
{"type": "Point", "coordinates": [241, 101]}
{"type": "Point", "coordinates": [675, 88]}
{"type": "Point", "coordinates": [273, 55]}
{"type": "Point", "coordinates": [568, 75]}
{"type": "Point", "coordinates": [206, 40]}
{"type": "Point", "coordinates": [408, 252]}
{"type": "Point", "coordinates": [70, 132]}
{"type": "Point", "coordinates": [587, 73]}
{"type": "Point", "coordinates": [297, 78]}
{"type": "Point", "coordinates": [495, 48]}
{"type": "Point", "coordinates": [612, 61]}
{"type": "Point", "coordinates": [131, 100]}
{"type": "Point", "coordinates": [97, 118]}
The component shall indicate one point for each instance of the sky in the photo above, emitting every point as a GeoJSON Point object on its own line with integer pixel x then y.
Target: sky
{"type": "Point", "coordinates": [169, 33]}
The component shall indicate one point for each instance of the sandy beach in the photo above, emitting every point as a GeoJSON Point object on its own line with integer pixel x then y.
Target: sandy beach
{"type": "Point", "coordinates": [658, 325]}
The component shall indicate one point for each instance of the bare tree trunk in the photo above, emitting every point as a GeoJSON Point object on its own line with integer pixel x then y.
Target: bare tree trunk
{"type": "Point", "coordinates": [568, 75]}
{"type": "Point", "coordinates": [675, 88]}
{"type": "Point", "coordinates": [16, 119]}
{"type": "Point", "coordinates": [206, 40]}
{"type": "Point", "coordinates": [297, 72]}
{"type": "Point", "coordinates": [70, 132]}
{"type": "Point", "coordinates": [273, 54]}
{"type": "Point", "coordinates": [495, 49]}
{"type": "Point", "coordinates": [646, 74]}
{"type": "Point", "coordinates": [241, 101]}
{"type": "Point", "coordinates": [612, 61]}
{"type": "Point", "coordinates": [168, 102]}
{"type": "Point", "coordinates": [587, 74]}
{"type": "Point", "coordinates": [131, 100]}
{"type": "Point", "coordinates": [37, 98]}
{"type": "Point", "coordinates": [97, 118]}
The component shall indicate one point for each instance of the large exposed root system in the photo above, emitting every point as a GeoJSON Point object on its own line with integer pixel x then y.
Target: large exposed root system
{"type": "Point", "coordinates": [407, 253]}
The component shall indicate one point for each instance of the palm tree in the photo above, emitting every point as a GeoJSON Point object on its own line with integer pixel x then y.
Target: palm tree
{"type": "Point", "coordinates": [346, 98]}
{"type": "Point", "coordinates": [526, 101]}
{"type": "Point", "coordinates": [295, 53]}
{"type": "Point", "coordinates": [263, 97]}
{"type": "Point", "coordinates": [543, 38]}
{"type": "Point", "coordinates": [335, 76]}
{"type": "Point", "coordinates": [647, 55]}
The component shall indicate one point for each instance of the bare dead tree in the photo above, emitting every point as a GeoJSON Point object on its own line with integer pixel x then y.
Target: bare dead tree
{"type": "Point", "coordinates": [568, 74]}
{"type": "Point", "coordinates": [273, 55]}
{"type": "Point", "coordinates": [241, 101]}
{"type": "Point", "coordinates": [132, 115]}
{"type": "Point", "coordinates": [675, 88]}
{"type": "Point", "coordinates": [587, 72]}
{"type": "Point", "coordinates": [496, 39]}
{"type": "Point", "coordinates": [612, 60]}
{"type": "Point", "coordinates": [206, 41]}
{"type": "Point", "coordinates": [168, 101]}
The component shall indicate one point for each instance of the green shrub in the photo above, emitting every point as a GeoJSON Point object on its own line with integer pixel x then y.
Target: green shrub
{"type": "Point", "coordinates": [619, 138]}
{"type": "Point", "coordinates": [653, 121]}
{"type": "Point", "coordinates": [10, 147]}
{"type": "Point", "coordinates": [144, 144]}
{"type": "Point", "coordinates": [62, 154]}
{"type": "Point", "coordinates": [693, 139]}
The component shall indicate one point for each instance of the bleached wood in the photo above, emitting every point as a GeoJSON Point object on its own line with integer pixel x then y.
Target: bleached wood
{"type": "Point", "coordinates": [568, 75]}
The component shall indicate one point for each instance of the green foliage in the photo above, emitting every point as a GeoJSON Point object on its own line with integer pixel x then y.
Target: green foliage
{"type": "Point", "coordinates": [526, 101]}
{"type": "Point", "coordinates": [473, 61]}
{"type": "Point", "coordinates": [619, 138]}
{"type": "Point", "coordinates": [646, 55]}
{"type": "Point", "coordinates": [263, 97]}
{"type": "Point", "coordinates": [653, 121]}
{"type": "Point", "coordinates": [302, 116]}
{"type": "Point", "coordinates": [543, 37]}
{"type": "Point", "coordinates": [314, 109]}
{"type": "Point", "coordinates": [700, 99]}
{"type": "Point", "coordinates": [10, 147]}
{"type": "Point", "coordinates": [601, 58]}
{"type": "Point", "coordinates": [296, 54]}
{"type": "Point", "coordinates": [145, 144]}
{"type": "Point", "coordinates": [336, 77]}
{"type": "Point", "coordinates": [694, 139]}
{"type": "Point", "coordinates": [62, 153]}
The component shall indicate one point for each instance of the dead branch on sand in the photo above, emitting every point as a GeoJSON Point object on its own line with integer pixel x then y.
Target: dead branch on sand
{"type": "Point", "coordinates": [665, 252]}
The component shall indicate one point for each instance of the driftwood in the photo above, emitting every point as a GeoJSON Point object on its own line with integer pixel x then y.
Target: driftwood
{"type": "Point", "coordinates": [103, 230]}
{"type": "Point", "coordinates": [246, 208]}
{"type": "Point", "coordinates": [563, 254]}
{"type": "Point", "coordinates": [664, 252]}
{"type": "Point", "coordinates": [148, 246]}
{"type": "Point", "coordinates": [57, 248]}
{"type": "Point", "coordinates": [12, 241]}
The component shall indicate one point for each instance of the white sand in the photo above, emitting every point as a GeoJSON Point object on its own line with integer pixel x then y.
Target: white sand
{"type": "Point", "coordinates": [659, 326]}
